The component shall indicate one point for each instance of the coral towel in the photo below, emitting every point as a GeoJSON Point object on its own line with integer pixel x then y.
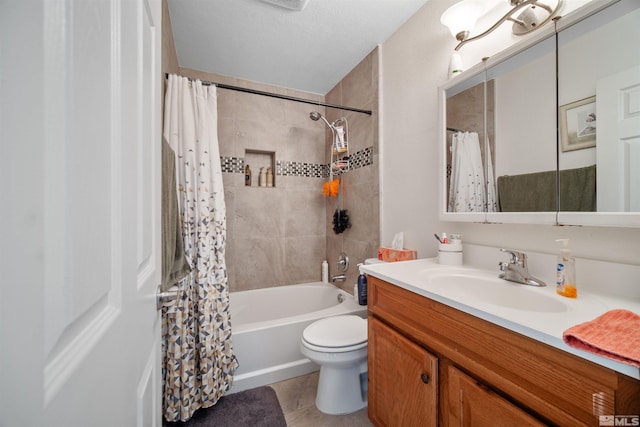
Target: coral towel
{"type": "Point", "coordinates": [615, 334]}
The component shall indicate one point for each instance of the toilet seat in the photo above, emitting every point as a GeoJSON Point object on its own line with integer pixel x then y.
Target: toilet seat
{"type": "Point", "coordinates": [333, 349]}
{"type": "Point", "coordinates": [336, 334]}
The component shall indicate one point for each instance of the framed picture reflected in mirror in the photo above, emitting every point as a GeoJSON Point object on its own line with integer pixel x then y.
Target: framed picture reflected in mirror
{"type": "Point", "coordinates": [578, 124]}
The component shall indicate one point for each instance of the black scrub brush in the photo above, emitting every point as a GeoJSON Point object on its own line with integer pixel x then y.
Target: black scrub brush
{"type": "Point", "coordinates": [340, 221]}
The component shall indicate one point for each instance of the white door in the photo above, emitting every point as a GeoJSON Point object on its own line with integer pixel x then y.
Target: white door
{"type": "Point", "coordinates": [80, 87]}
{"type": "Point", "coordinates": [618, 142]}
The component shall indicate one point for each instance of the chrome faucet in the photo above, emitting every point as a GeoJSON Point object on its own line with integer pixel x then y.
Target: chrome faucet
{"type": "Point", "coordinates": [516, 269]}
{"type": "Point", "coordinates": [339, 278]}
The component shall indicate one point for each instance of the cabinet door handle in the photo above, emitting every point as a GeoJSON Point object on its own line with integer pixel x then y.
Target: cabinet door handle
{"type": "Point", "coordinates": [425, 378]}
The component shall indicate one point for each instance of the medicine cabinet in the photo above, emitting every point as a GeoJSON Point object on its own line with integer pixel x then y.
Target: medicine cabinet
{"type": "Point", "coordinates": [558, 123]}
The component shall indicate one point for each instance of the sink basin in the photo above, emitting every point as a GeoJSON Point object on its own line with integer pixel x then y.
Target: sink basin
{"type": "Point", "coordinates": [480, 287]}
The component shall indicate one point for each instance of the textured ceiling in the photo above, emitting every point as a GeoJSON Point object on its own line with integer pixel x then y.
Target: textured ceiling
{"type": "Point", "coordinates": [309, 50]}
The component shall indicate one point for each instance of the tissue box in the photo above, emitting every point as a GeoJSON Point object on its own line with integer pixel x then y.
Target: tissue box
{"type": "Point", "coordinates": [393, 255]}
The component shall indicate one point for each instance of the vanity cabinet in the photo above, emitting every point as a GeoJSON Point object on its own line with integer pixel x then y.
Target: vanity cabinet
{"type": "Point", "coordinates": [479, 374]}
{"type": "Point", "coordinates": [403, 379]}
{"type": "Point", "coordinates": [472, 403]}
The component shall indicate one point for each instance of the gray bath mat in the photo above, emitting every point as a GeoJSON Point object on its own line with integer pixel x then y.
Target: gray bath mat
{"type": "Point", "coordinates": [250, 408]}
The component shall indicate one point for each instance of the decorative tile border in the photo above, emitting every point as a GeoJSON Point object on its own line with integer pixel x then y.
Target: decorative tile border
{"type": "Point", "coordinates": [309, 170]}
{"type": "Point", "coordinates": [232, 164]}
{"type": "Point", "coordinates": [361, 158]}
{"type": "Point", "coordinates": [357, 160]}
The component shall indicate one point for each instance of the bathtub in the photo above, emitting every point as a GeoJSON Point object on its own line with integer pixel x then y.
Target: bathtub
{"type": "Point", "coordinates": [267, 325]}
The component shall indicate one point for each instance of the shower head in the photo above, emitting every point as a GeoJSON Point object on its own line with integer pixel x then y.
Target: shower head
{"type": "Point", "coordinates": [315, 116]}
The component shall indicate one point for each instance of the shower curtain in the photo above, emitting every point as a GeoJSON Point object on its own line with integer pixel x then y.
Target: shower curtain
{"type": "Point", "coordinates": [492, 200]}
{"type": "Point", "coordinates": [198, 362]}
{"type": "Point", "coordinates": [467, 189]}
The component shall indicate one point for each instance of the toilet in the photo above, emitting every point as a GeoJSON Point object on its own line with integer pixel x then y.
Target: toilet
{"type": "Point", "coordinates": [339, 345]}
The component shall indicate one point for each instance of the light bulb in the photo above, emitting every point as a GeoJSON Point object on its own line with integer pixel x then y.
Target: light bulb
{"type": "Point", "coordinates": [462, 17]}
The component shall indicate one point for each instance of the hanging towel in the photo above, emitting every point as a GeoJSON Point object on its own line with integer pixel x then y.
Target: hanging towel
{"type": "Point", "coordinates": [615, 335]}
{"type": "Point", "coordinates": [578, 189]}
{"type": "Point", "coordinates": [530, 192]}
{"type": "Point", "coordinates": [174, 263]}
{"type": "Point", "coordinates": [536, 192]}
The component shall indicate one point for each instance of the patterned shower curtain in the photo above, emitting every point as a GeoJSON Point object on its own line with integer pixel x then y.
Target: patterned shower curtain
{"type": "Point", "coordinates": [198, 359]}
{"type": "Point", "coordinates": [467, 186]}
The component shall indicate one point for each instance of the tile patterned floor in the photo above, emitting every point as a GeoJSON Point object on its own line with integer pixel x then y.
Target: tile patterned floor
{"type": "Point", "coordinates": [297, 399]}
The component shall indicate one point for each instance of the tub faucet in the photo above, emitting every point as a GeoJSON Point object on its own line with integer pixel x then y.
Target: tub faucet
{"type": "Point", "coordinates": [339, 278]}
{"type": "Point", "coordinates": [516, 269]}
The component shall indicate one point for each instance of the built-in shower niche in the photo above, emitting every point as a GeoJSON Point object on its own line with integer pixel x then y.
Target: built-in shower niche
{"type": "Point", "coordinates": [257, 159]}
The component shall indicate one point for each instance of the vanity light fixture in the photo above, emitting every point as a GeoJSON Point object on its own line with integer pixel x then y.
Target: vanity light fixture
{"type": "Point", "coordinates": [526, 15]}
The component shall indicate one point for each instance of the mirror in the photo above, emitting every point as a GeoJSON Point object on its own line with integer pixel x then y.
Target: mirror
{"type": "Point", "coordinates": [599, 78]}
{"type": "Point", "coordinates": [525, 161]}
{"type": "Point", "coordinates": [469, 133]}
{"type": "Point", "coordinates": [541, 146]}
{"type": "Point", "coordinates": [516, 145]}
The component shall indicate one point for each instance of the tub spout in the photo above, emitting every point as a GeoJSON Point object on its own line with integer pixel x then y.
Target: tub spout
{"type": "Point", "coordinates": [339, 278]}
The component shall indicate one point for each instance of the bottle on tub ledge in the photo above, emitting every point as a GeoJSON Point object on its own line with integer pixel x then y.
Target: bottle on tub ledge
{"type": "Point", "coordinates": [325, 271]}
{"type": "Point", "coordinates": [362, 287]}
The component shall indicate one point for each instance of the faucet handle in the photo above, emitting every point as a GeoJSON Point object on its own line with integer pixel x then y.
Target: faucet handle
{"type": "Point", "coordinates": [516, 257]}
{"type": "Point", "coordinates": [343, 262]}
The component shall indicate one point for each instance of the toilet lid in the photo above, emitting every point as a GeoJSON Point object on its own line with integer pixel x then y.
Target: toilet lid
{"type": "Point", "coordinates": [337, 331]}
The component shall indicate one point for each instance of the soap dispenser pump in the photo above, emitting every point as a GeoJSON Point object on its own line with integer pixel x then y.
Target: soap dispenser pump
{"type": "Point", "coordinates": [566, 272]}
{"type": "Point", "coordinates": [362, 287]}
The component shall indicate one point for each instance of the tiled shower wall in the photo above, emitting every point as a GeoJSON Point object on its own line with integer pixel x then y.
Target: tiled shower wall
{"type": "Point", "coordinates": [361, 199]}
{"type": "Point", "coordinates": [279, 236]}
{"type": "Point", "coordinates": [275, 235]}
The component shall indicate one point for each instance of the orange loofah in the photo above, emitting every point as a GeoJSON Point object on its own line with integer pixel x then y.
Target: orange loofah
{"type": "Point", "coordinates": [334, 187]}
{"type": "Point", "coordinates": [325, 189]}
{"type": "Point", "coordinates": [331, 188]}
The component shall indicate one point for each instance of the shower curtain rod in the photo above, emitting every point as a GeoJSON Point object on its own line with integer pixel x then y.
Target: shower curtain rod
{"type": "Point", "coordinates": [275, 95]}
{"type": "Point", "coordinates": [454, 130]}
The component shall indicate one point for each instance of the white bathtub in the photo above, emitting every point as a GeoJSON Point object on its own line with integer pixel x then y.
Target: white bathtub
{"type": "Point", "coordinates": [267, 325]}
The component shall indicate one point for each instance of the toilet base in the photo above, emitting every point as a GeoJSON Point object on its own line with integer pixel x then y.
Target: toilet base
{"type": "Point", "coordinates": [342, 357]}
{"type": "Point", "coordinates": [342, 390]}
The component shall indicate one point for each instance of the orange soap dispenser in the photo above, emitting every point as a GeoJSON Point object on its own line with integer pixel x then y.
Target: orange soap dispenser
{"type": "Point", "coordinates": [566, 272]}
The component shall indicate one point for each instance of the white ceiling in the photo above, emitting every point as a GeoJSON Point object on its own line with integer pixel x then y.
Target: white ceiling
{"type": "Point", "coordinates": [309, 50]}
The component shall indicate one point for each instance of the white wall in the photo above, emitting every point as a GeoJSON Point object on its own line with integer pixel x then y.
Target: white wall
{"type": "Point", "coordinates": [414, 65]}
{"type": "Point", "coordinates": [412, 69]}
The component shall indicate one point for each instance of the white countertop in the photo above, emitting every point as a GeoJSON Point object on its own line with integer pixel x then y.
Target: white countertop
{"type": "Point", "coordinates": [546, 327]}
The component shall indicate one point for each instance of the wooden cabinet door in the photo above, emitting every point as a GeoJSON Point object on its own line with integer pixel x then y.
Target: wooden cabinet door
{"type": "Point", "coordinates": [472, 404]}
{"type": "Point", "coordinates": [403, 380]}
